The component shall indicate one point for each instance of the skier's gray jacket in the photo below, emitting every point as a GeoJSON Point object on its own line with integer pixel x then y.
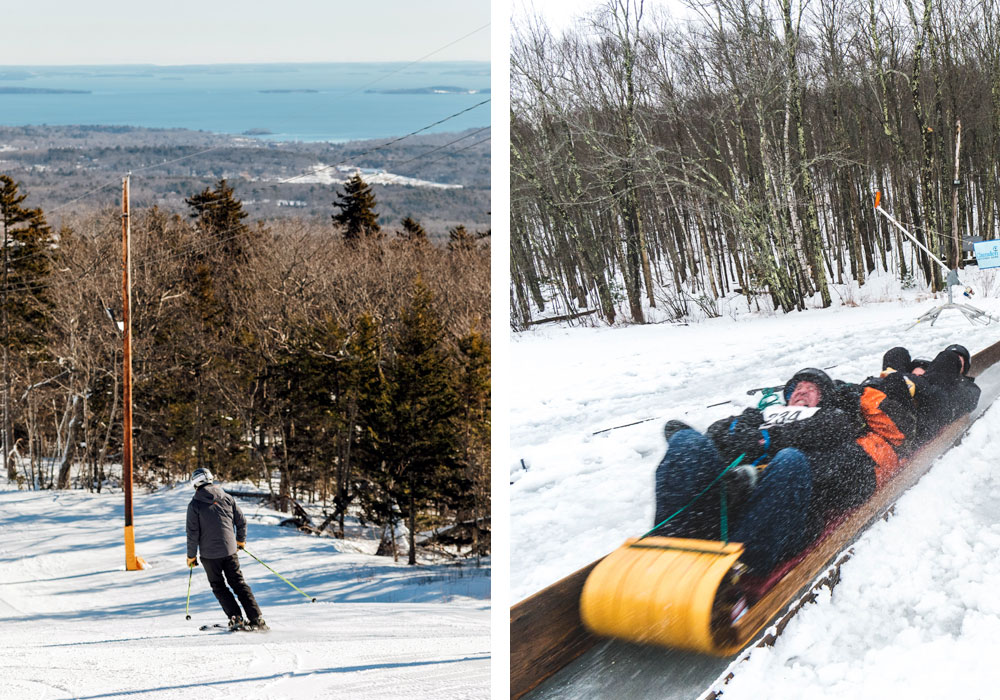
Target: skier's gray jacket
{"type": "Point", "coordinates": [211, 516]}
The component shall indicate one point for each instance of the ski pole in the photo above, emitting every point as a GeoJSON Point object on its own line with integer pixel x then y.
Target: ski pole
{"type": "Point", "coordinates": [187, 615]}
{"type": "Point", "coordinates": [279, 575]}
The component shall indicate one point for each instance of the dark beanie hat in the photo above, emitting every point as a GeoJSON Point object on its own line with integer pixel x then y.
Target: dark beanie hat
{"type": "Point", "coordinates": [818, 377]}
{"type": "Point", "coordinates": [898, 359]}
{"type": "Point", "coordinates": [962, 352]}
{"type": "Point", "coordinates": [944, 368]}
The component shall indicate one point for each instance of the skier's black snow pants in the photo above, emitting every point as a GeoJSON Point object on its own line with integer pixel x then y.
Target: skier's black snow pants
{"type": "Point", "coordinates": [230, 566]}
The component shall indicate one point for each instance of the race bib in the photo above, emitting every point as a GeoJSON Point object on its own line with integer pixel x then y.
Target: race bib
{"type": "Point", "coordinates": [778, 415]}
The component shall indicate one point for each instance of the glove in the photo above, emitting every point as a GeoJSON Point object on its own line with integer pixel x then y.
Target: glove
{"type": "Point", "coordinates": [192, 562]}
{"type": "Point", "coordinates": [241, 545]}
{"type": "Point", "coordinates": [748, 441]}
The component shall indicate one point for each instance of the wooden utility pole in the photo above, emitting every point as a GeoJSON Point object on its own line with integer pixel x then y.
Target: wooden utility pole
{"type": "Point", "coordinates": [8, 436]}
{"type": "Point", "coordinates": [132, 562]}
{"type": "Point", "coordinates": [956, 239]}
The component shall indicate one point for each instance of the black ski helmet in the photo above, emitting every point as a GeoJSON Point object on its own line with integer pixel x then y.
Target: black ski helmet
{"type": "Point", "coordinates": [818, 377]}
{"type": "Point", "coordinates": [962, 352]}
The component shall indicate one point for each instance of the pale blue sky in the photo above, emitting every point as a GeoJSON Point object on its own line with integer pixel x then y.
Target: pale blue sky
{"type": "Point", "coordinates": [168, 32]}
{"type": "Point", "coordinates": [561, 15]}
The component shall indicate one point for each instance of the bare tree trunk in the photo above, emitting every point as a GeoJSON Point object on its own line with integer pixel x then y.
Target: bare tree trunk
{"type": "Point", "coordinates": [66, 463]}
{"type": "Point", "coordinates": [412, 508]}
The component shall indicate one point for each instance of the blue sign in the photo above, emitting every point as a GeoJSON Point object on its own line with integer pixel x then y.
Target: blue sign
{"type": "Point", "coordinates": [987, 254]}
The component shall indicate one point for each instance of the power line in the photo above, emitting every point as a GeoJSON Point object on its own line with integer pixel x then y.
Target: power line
{"type": "Point", "coordinates": [98, 189]}
{"type": "Point", "coordinates": [438, 50]}
{"type": "Point", "coordinates": [471, 145]}
{"type": "Point", "coordinates": [200, 246]}
{"type": "Point", "coordinates": [387, 144]}
{"type": "Point", "coordinates": [175, 160]}
{"type": "Point", "coordinates": [427, 153]}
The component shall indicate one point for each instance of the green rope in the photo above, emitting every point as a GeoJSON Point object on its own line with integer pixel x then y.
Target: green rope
{"type": "Point", "coordinates": [691, 502]}
{"type": "Point", "coordinates": [723, 520]}
{"type": "Point", "coordinates": [769, 398]}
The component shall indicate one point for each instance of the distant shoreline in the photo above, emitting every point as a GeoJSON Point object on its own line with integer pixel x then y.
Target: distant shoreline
{"type": "Point", "coordinates": [40, 91]}
{"type": "Point", "coordinates": [435, 178]}
{"type": "Point", "coordinates": [308, 103]}
{"type": "Point", "coordinates": [261, 135]}
{"type": "Point", "coordinates": [432, 90]}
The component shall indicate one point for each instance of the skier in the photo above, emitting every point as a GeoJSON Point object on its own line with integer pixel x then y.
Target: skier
{"type": "Point", "coordinates": [212, 518]}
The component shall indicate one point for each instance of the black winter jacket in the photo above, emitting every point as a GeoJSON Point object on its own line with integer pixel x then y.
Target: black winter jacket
{"type": "Point", "coordinates": [842, 476]}
{"type": "Point", "coordinates": [212, 516]}
{"type": "Point", "coordinates": [955, 394]}
{"type": "Point", "coordinates": [747, 433]}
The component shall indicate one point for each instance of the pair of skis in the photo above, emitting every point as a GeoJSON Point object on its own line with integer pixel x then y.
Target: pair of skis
{"type": "Point", "coordinates": [227, 628]}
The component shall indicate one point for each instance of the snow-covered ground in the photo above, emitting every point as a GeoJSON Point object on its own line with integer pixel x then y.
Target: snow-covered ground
{"type": "Point", "coordinates": [338, 175]}
{"type": "Point", "coordinates": [918, 606]}
{"type": "Point", "coordinates": [75, 624]}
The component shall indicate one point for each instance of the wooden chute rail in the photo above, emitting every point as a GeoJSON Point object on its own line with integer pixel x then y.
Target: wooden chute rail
{"type": "Point", "coordinates": [681, 596]}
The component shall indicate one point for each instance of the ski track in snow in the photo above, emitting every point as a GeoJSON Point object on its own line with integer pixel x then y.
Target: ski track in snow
{"type": "Point", "coordinates": [917, 611]}
{"type": "Point", "coordinates": [76, 625]}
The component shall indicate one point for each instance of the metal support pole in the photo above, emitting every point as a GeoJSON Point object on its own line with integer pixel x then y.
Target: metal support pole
{"type": "Point", "coordinates": [973, 314]}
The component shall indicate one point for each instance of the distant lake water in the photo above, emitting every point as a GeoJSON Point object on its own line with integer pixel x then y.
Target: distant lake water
{"type": "Point", "coordinates": [282, 102]}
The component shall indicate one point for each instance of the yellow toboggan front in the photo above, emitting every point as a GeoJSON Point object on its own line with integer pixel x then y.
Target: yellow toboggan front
{"type": "Point", "coordinates": [664, 590]}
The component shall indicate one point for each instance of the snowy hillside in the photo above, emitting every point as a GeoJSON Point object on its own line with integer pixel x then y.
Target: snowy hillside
{"type": "Point", "coordinates": [77, 625]}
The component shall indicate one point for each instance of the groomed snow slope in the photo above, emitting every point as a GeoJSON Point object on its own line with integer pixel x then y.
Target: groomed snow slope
{"type": "Point", "coordinates": [75, 624]}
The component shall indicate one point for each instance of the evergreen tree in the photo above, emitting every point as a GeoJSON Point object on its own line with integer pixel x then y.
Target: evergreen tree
{"type": "Point", "coordinates": [310, 389]}
{"type": "Point", "coordinates": [474, 433]}
{"type": "Point", "coordinates": [218, 211]}
{"type": "Point", "coordinates": [413, 231]}
{"type": "Point", "coordinates": [24, 297]}
{"type": "Point", "coordinates": [372, 394]}
{"type": "Point", "coordinates": [421, 443]}
{"type": "Point", "coordinates": [357, 211]}
{"type": "Point", "coordinates": [204, 352]}
{"type": "Point", "coordinates": [27, 239]}
{"type": "Point", "coordinates": [460, 239]}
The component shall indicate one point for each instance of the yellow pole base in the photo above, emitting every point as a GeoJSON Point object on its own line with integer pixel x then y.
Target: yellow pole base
{"type": "Point", "coordinates": [132, 562]}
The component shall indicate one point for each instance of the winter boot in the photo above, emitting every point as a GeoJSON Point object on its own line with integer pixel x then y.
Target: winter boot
{"type": "Point", "coordinates": [258, 624]}
{"type": "Point", "coordinates": [235, 623]}
{"type": "Point", "coordinates": [672, 427]}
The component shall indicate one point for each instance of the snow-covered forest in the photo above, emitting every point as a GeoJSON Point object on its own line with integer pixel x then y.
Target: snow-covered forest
{"type": "Point", "coordinates": [332, 362]}
{"type": "Point", "coordinates": [665, 169]}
